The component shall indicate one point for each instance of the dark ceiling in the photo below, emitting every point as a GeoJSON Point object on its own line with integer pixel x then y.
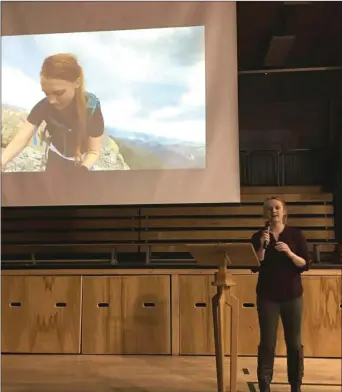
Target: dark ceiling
{"type": "Point", "coordinates": [289, 34]}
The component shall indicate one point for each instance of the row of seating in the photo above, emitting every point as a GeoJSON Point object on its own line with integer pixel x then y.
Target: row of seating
{"type": "Point", "coordinates": [160, 232]}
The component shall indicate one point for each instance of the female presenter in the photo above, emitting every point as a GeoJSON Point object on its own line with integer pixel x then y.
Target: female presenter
{"type": "Point", "coordinates": [283, 255]}
{"type": "Point", "coordinates": [74, 119]}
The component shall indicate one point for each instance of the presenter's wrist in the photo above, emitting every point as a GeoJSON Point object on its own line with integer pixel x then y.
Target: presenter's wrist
{"type": "Point", "coordinates": [291, 255]}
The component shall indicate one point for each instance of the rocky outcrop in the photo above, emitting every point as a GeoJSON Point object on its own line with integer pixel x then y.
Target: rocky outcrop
{"type": "Point", "coordinates": [31, 159]}
{"type": "Point", "coordinates": [110, 156]}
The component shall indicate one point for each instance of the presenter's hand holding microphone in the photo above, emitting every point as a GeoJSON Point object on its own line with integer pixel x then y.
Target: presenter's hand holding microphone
{"type": "Point", "coordinates": [265, 237]}
{"type": "Point", "coordinates": [279, 246]}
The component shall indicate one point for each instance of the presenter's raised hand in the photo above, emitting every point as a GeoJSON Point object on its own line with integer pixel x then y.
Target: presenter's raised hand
{"type": "Point", "coordinates": [282, 247]}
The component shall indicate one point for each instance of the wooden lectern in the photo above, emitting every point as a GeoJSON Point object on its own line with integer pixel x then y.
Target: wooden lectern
{"type": "Point", "coordinates": [224, 256]}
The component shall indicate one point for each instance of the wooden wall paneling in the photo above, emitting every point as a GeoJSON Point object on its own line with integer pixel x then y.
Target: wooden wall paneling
{"type": "Point", "coordinates": [70, 224]}
{"type": "Point", "coordinates": [240, 209]}
{"type": "Point", "coordinates": [63, 225]}
{"type": "Point", "coordinates": [309, 209]}
{"type": "Point", "coordinates": [69, 237]}
{"type": "Point", "coordinates": [126, 315]}
{"type": "Point", "coordinates": [41, 314]}
{"type": "Point", "coordinates": [68, 212]}
{"type": "Point", "coordinates": [312, 212]}
{"type": "Point", "coordinates": [57, 249]}
{"type": "Point", "coordinates": [289, 197]}
{"type": "Point", "coordinates": [195, 315]}
{"type": "Point", "coordinates": [221, 235]}
{"type": "Point", "coordinates": [271, 190]}
{"type": "Point", "coordinates": [236, 222]}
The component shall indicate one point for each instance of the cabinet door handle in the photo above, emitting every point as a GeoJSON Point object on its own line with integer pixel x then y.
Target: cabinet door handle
{"type": "Point", "coordinates": [60, 305]}
{"type": "Point", "coordinates": [248, 305]}
{"type": "Point", "coordinates": [103, 305]}
{"type": "Point", "coordinates": [149, 305]}
{"type": "Point", "coordinates": [200, 305]}
{"type": "Point", "coordinates": [15, 304]}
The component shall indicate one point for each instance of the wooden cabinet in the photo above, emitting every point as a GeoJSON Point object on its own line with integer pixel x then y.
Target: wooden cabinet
{"type": "Point", "coordinates": [196, 324]}
{"type": "Point", "coordinates": [321, 320]}
{"type": "Point", "coordinates": [41, 314]}
{"type": "Point", "coordinates": [126, 315]}
{"type": "Point", "coordinates": [245, 291]}
{"type": "Point", "coordinates": [195, 315]}
{"type": "Point", "coordinates": [322, 316]}
{"type": "Point", "coordinates": [142, 313]}
{"type": "Point", "coordinates": [321, 332]}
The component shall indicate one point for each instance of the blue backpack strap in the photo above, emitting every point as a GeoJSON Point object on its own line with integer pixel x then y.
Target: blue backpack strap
{"type": "Point", "coordinates": [93, 103]}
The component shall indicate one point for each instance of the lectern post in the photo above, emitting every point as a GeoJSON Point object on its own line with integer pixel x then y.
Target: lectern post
{"type": "Point", "coordinates": [223, 256]}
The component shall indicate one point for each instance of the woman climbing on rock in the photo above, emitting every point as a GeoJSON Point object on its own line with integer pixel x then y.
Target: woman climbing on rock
{"type": "Point", "coordinates": [73, 117]}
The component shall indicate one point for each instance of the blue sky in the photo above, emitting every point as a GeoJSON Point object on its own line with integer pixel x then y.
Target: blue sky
{"type": "Point", "coordinates": [149, 81]}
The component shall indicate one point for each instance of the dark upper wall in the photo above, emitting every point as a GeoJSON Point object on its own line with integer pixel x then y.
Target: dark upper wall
{"type": "Point", "coordinates": [288, 109]}
{"type": "Point", "coordinates": [280, 34]}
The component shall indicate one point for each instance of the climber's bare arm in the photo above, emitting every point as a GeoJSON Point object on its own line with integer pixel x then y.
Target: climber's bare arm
{"type": "Point", "coordinates": [20, 141]}
{"type": "Point", "coordinates": [94, 148]}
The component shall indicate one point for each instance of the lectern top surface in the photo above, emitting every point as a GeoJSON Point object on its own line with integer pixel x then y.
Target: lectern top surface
{"type": "Point", "coordinates": [232, 254]}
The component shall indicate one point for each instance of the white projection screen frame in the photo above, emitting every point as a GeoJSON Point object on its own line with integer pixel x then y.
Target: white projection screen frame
{"type": "Point", "coordinates": [219, 182]}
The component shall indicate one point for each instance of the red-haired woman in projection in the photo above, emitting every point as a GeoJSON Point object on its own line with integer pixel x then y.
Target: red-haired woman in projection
{"type": "Point", "coordinates": [283, 255]}
{"type": "Point", "coordinates": [73, 117]}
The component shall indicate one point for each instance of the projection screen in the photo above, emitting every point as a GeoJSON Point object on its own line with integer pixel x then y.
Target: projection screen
{"type": "Point", "coordinates": [111, 103]}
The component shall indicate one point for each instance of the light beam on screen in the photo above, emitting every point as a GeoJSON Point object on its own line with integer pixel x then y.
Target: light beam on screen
{"type": "Point", "coordinates": [149, 107]}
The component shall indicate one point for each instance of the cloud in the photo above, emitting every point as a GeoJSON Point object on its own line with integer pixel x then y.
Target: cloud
{"type": "Point", "coordinates": [129, 114]}
{"type": "Point", "coordinates": [195, 96]}
{"type": "Point", "coordinates": [134, 56]}
{"type": "Point", "coordinates": [120, 110]}
{"type": "Point", "coordinates": [191, 130]}
{"type": "Point", "coordinates": [147, 80]}
{"type": "Point", "coordinates": [166, 113]}
{"type": "Point", "coordinates": [19, 90]}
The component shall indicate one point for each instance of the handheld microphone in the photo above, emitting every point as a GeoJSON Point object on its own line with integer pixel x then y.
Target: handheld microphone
{"type": "Point", "coordinates": [267, 228]}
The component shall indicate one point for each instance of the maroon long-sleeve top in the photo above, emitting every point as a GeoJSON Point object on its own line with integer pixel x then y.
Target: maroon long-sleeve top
{"type": "Point", "coordinates": [279, 278]}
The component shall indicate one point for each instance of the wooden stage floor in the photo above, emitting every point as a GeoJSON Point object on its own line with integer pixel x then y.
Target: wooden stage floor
{"type": "Point", "coordinates": [52, 373]}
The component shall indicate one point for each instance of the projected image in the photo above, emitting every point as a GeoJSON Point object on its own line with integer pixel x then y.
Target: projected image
{"type": "Point", "coordinates": [119, 100]}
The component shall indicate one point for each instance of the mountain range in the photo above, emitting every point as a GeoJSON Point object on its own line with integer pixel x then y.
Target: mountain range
{"type": "Point", "coordinates": [170, 152]}
{"type": "Point", "coordinates": [144, 151]}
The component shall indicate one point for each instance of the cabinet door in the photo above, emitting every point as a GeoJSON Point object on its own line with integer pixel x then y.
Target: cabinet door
{"type": "Point", "coordinates": [196, 325]}
{"type": "Point", "coordinates": [322, 316]}
{"type": "Point", "coordinates": [41, 314]}
{"type": "Point", "coordinates": [126, 315]}
{"type": "Point", "coordinates": [321, 331]}
{"type": "Point", "coordinates": [195, 315]}
{"type": "Point", "coordinates": [245, 291]}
